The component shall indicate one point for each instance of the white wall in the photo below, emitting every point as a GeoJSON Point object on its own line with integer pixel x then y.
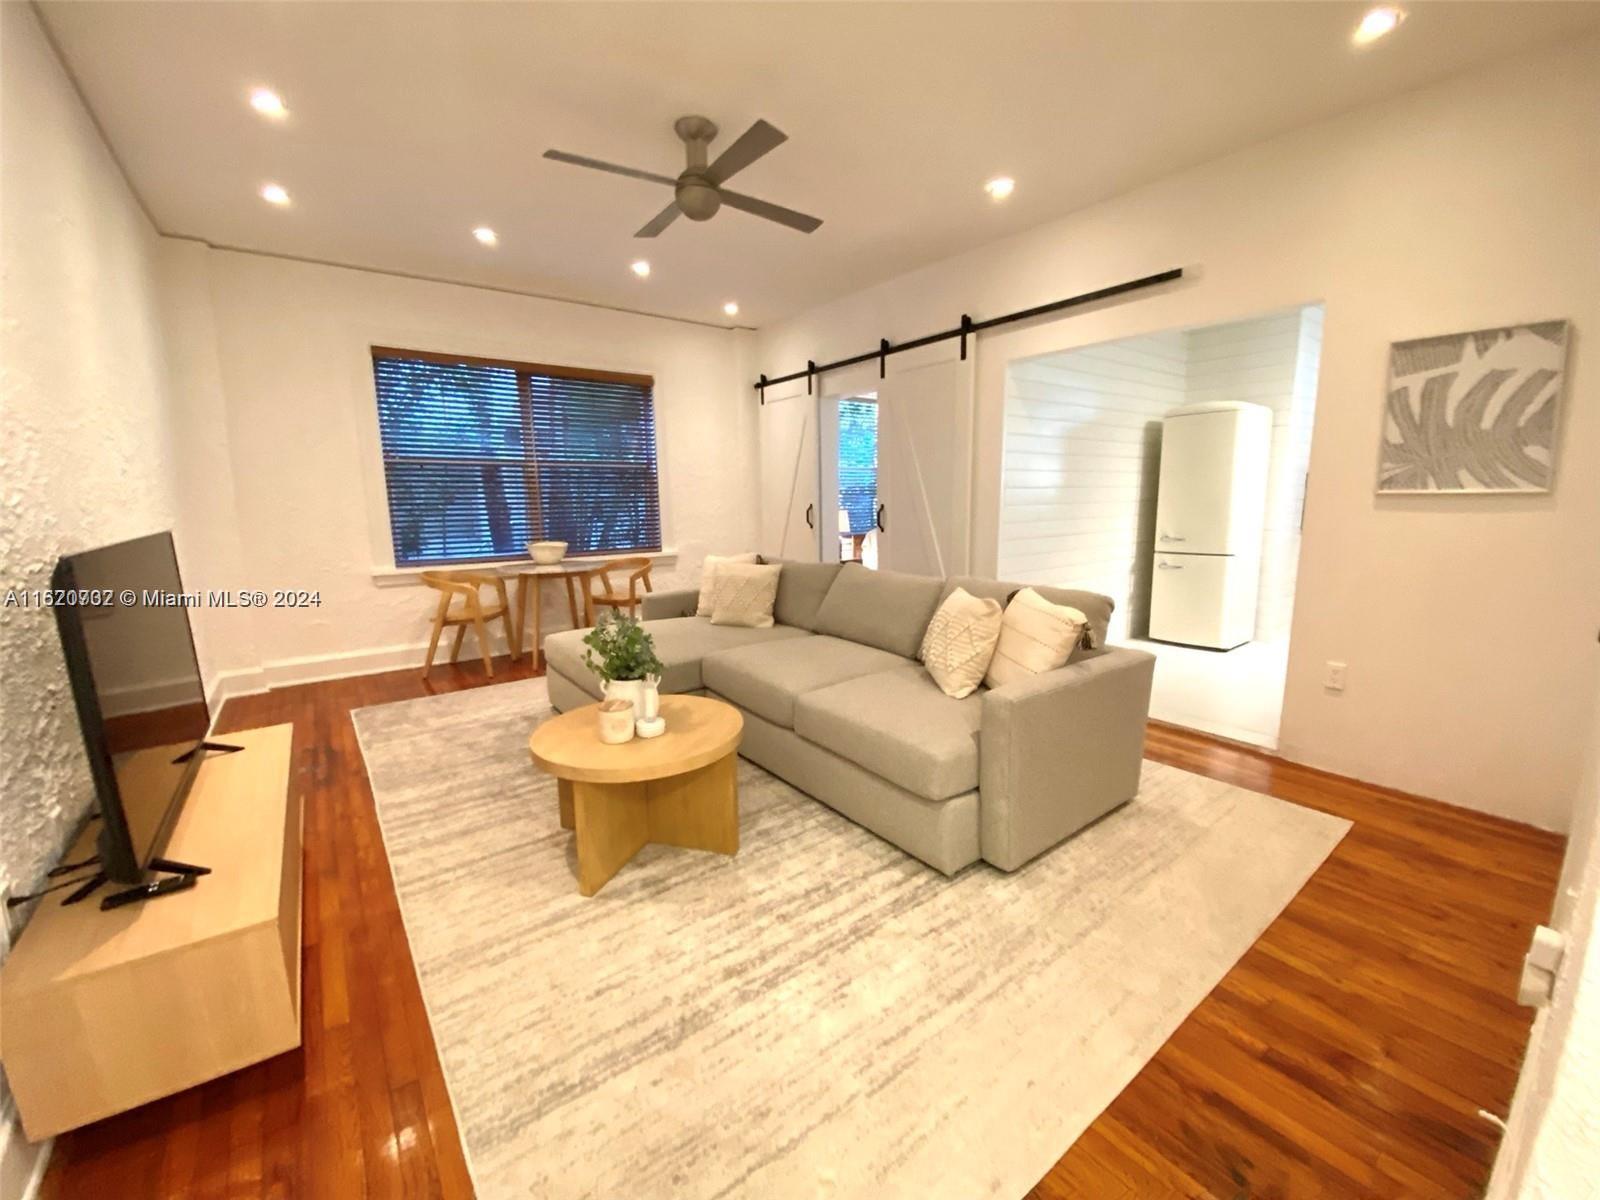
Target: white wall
{"type": "Point", "coordinates": [1551, 1150]}
{"type": "Point", "coordinates": [85, 436]}
{"type": "Point", "coordinates": [1467, 622]}
{"type": "Point", "coordinates": [294, 370]}
{"type": "Point", "coordinates": [1081, 460]}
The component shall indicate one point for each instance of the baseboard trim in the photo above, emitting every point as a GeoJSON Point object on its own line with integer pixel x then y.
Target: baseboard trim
{"type": "Point", "coordinates": [22, 1163]}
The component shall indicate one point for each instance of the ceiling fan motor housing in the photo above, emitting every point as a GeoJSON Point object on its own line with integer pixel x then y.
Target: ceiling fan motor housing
{"type": "Point", "coordinates": [697, 199]}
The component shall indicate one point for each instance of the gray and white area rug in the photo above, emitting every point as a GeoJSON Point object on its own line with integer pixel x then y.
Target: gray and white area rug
{"type": "Point", "coordinates": [820, 1016]}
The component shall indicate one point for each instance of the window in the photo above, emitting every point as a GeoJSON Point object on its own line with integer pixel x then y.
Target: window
{"type": "Point", "coordinates": [482, 457]}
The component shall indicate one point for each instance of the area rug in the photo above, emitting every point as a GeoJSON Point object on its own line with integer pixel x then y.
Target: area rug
{"type": "Point", "coordinates": [820, 1016]}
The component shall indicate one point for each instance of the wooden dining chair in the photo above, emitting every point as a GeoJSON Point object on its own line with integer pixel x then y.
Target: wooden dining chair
{"type": "Point", "coordinates": [602, 593]}
{"type": "Point", "coordinates": [464, 586]}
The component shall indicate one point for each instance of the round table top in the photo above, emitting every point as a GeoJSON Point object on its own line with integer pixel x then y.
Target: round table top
{"type": "Point", "coordinates": [699, 732]}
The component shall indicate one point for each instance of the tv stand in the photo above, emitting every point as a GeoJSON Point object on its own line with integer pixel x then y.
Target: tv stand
{"type": "Point", "coordinates": [180, 877]}
{"type": "Point", "coordinates": [110, 1006]}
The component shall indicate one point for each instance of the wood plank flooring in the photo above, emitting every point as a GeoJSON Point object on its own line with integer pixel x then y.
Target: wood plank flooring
{"type": "Point", "coordinates": [1345, 1055]}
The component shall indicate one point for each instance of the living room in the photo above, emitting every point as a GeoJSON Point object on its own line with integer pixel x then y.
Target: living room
{"type": "Point", "coordinates": [221, 222]}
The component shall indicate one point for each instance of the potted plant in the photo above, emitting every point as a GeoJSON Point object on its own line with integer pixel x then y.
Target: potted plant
{"type": "Point", "coordinates": [623, 655]}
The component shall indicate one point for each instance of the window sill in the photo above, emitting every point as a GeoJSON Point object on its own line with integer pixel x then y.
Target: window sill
{"type": "Point", "coordinates": [412, 576]}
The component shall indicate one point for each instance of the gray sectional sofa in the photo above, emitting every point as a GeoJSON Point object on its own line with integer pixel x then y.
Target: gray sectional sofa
{"type": "Point", "coordinates": [835, 703]}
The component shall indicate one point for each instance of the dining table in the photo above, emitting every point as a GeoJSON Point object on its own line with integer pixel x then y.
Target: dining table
{"type": "Point", "coordinates": [574, 574]}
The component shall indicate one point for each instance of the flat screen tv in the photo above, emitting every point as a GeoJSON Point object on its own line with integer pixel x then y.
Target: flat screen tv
{"type": "Point", "coordinates": [124, 623]}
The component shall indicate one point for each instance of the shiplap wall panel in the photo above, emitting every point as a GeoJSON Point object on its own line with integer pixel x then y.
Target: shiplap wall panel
{"type": "Point", "coordinates": [1270, 361]}
{"type": "Point", "coordinates": [1082, 454]}
{"type": "Point", "coordinates": [1082, 432]}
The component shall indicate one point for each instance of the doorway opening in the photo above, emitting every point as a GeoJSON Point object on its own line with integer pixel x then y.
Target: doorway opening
{"type": "Point", "coordinates": [1168, 471]}
{"type": "Point", "coordinates": [857, 493]}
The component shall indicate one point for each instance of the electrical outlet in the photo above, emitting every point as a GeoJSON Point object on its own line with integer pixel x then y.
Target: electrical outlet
{"type": "Point", "coordinates": [1333, 676]}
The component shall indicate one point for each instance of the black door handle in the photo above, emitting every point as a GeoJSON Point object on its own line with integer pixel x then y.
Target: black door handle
{"type": "Point", "coordinates": [810, 509]}
{"type": "Point", "coordinates": [879, 521]}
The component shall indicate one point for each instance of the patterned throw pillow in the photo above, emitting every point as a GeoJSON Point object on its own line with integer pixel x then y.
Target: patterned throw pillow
{"type": "Point", "coordinates": [744, 594]}
{"type": "Point", "coordinates": [1035, 636]}
{"type": "Point", "coordinates": [708, 577]}
{"type": "Point", "coordinates": [960, 641]}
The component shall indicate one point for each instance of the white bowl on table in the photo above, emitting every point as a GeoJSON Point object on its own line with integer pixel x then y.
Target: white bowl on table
{"type": "Point", "coordinates": [547, 553]}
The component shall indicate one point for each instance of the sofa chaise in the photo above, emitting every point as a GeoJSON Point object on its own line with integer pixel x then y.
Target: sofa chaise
{"type": "Point", "coordinates": [836, 704]}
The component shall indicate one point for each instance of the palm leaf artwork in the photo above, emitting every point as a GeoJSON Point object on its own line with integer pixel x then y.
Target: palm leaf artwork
{"type": "Point", "coordinates": [1473, 412]}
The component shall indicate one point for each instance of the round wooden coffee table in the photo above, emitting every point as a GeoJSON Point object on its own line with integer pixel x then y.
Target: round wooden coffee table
{"type": "Point", "coordinates": [678, 789]}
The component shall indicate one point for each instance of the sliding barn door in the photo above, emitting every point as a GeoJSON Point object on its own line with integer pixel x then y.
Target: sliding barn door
{"type": "Point", "coordinates": [925, 463]}
{"type": "Point", "coordinates": [789, 476]}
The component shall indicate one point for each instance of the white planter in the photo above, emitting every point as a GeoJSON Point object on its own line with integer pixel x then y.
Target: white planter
{"type": "Point", "coordinates": [641, 693]}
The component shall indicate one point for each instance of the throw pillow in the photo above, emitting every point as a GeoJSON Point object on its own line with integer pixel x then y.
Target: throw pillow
{"type": "Point", "coordinates": [744, 594]}
{"type": "Point", "coordinates": [708, 577]}
{"type": "Point", "coordinates": [960, 642]}
{"type": "Point", "coordinates": [1035, 636]}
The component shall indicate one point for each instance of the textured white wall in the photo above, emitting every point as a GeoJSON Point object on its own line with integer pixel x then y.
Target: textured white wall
{"type": "Point", "coordinates": [86, 453]}
{"type": "Point", "coordinates": [86, 438]}
{"type": "Point", "coordinates": [1467, 622]}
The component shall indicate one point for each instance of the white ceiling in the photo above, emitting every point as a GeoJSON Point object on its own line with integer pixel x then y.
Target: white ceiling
{"type": "Point", "coordinates": [412, 123]}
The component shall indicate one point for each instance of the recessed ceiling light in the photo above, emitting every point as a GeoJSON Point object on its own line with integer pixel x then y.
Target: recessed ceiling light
{"type": "Point", "coordinates": [1001, 187]}
{"type": "Point", "coordinates": [485, 235]}
{"type": "Point", "coordinates": [731, 308]}
{"type": "Point", "coordinates": [268, 103]}
{"type": "Point", "coordinates": [1378, 22]}
{"type": "Point", "coordinates": [641, 268]}
{"type": "Point", "coordinates": [274, 193]}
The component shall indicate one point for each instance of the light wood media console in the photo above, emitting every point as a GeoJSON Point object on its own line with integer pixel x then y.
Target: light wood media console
{"type": "Point", "coordinates": [104, 1011]}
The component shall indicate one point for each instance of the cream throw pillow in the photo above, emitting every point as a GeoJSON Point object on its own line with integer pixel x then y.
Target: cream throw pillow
{"type": "Point", "coordinates": [1035, 636]}
{"type": "Point", "coordinates": [744, 594]}
{"type": "Point", "coordinates": [708, 577]}
{"type": "Point", "coordinates": [960, 642]}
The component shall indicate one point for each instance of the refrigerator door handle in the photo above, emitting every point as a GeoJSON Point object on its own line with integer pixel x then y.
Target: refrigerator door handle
{"type": "Point", "coordinates": [1167, 537]}
{"type": "Point", "coordinates": [1167, 566]}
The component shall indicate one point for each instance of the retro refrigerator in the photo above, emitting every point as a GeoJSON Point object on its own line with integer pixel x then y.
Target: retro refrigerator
{"type": "Point", "coordinates": [1211, 507]}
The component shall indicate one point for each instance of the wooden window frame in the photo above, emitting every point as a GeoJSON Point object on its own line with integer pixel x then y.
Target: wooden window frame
{"type": "Point", "coordinates": [530, 462]}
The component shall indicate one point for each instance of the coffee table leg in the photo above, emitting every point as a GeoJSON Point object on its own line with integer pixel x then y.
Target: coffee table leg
{"type": "Point", "coordinates": [698, 809]}
{"type": "Point", "coordinates": [612, 823]}
{"type": "Point", "coordinates": [564, 790]}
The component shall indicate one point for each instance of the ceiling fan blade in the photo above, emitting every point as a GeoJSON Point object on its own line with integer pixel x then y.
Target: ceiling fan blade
{"type": "Point", "coordinates": [596, 164]}
{"type": "Point", "coordinates": [772, 212]}
{"type": "Point", "coordinates": [660, 221]}
{"type": "Point", "coordinates": [750, 145]}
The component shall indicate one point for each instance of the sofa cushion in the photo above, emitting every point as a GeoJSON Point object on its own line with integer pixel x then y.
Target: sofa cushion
{"type": "Point", "coordinates": [801, 587]}
{"type": "Point", "coordinates": [885, 609]}
{"type": "Point", "coordinates": [899, 725]}
{"type": "Point", "coordinates": [1091, 604]}
{"type": "Point", "coordinates": [768, 678]}
{"type": "Point", "coordinates": [681, 643]}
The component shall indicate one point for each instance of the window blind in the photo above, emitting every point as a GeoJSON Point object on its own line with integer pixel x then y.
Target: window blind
{"type": "Point", "coordinates": [858, 463]}
{"type": "Point", "coordinates": [481, 457]}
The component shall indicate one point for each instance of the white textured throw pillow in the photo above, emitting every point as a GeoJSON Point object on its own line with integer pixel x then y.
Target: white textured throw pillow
{"type": "Point", "coordinates": [708, 577]}
{"type": "Point", "coordinates": [960, 642]}
{"type": "Point", "coordinates": [1035, 636]}
{"type": "Point", "coordinates": [744, 594]}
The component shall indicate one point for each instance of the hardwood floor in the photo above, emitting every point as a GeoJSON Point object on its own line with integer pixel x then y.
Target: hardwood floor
{"type": "Point", "coordinates": [1347, 1053]}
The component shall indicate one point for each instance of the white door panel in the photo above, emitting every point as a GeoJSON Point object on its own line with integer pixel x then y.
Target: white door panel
{"type": "Point", "coordinates": [1212, 493]}
{"type": "Point", "coordinates": [925, 466]}
{"type": "Point", "coordinates": [1203, 599]}
{"type": "Point", "coordinates": [789, 477]}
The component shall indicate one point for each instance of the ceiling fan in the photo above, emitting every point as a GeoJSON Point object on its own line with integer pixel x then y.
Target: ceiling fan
{"type": "Point", "coordinates": [699, 190]}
